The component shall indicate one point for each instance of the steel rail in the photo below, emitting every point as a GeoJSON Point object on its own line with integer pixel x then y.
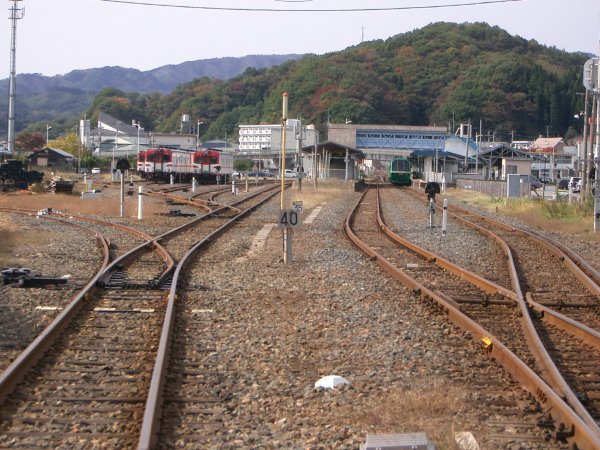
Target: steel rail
{"type": "Point", "coordinates": [198, 203]}
{"type": "Point", "coordinates": [574, 328]}
{"type": "Point", "coordinates": [15, 372]}
{"type": "Point", "coordinates": [584, 436]}
{"type": "Point", "coordinates": [150, 243]}
{"type": "Point", "coordinates": [577, 259]}
{"type": "Point", "coordinates": [155, 242]}
{"type": "Point", "coordinates": [469, 276]}
{"type": "Point", "coordinates": [546, 363]}
{"type": "Point", "coordinates": [151, 420]}
{"type": "Point", "coordinates": [570, 263]}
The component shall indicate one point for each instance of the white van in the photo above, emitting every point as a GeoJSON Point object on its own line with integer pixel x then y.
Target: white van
{"type": "Point", "coordinates": [575, 184]}
{"type": "Point", "coordinates": [290, 173]}
{"type": "Point", "coordinates": [96, 170]}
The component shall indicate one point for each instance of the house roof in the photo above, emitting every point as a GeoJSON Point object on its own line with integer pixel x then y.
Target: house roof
{"type": "Point", "coordinates": [542, 143]}
{"type": "Point", "coordinates": [503, 151]}
{"type": "Point", "coordinates": [116, 124]}
{"type": "Point", "coordinates": [433, 153]}
{"type": "Point", "coordinates": [58, 151]}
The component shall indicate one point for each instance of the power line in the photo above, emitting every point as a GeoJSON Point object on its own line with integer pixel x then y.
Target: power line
{"type": "Point", "coordinates": [396, 8]}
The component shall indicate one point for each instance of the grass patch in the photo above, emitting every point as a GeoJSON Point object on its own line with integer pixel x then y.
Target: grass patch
{"type": "Point", "coordinates": [552, 216]}
{"type": "Point", "coordinates": [420, 408]}
{"type": "Point", "coordinates": [14, 241]}
{"type": "Point", "coordinates": [311, 197]}
{"type": "Point", "coordinates": [108, 205]}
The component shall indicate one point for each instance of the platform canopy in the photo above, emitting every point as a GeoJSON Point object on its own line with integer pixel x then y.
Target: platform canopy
{"type": "Point", "coordinates": [334, 149]}
{"type": "Point", "coordinates": [333, 160]}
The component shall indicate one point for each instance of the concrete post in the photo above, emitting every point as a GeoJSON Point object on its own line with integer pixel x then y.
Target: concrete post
{"type": "Point", "coordinates": [140, 202]}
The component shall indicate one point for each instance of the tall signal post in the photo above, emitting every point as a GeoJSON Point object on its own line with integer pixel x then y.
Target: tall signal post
{"type": "Point", "coordinates": [16, 13]}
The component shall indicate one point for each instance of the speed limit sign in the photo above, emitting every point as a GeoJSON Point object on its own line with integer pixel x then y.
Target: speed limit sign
{"type": "Point", "coordinates": [288, 218]}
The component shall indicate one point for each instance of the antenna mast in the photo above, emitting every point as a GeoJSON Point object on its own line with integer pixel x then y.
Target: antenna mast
{"type": "Point", "coordinates": [16, 13]}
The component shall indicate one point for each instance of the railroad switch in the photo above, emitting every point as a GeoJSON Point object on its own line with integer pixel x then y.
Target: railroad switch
{"type": "Point", "coordinates": [562, 434]}
{"type": "Point", "coordinates": [24, 277]}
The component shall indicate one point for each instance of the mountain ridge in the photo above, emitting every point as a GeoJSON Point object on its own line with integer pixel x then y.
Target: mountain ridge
{"type": "Point", "coordinates": [61, 98]}
{"type": "Point", "coordinates": [163, 79]}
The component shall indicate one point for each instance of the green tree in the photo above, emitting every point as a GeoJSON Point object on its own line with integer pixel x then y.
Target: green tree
{"type": "Point", "coordinates": [242, 165]}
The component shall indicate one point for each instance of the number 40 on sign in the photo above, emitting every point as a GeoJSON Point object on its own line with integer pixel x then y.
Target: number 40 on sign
{"type": "Point", "coordinates": [288, 218]}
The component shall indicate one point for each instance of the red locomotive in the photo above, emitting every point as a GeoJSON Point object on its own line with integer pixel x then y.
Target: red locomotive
{"type": "Point", "coordinates": [206, 165]}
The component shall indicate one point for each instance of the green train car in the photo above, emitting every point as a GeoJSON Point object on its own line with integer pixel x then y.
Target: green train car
{"type": "Point", "coordinates": [400, 173]}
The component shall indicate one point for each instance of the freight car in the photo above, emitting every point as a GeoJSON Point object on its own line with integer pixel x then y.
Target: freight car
{"type": "Point", "coordinates": [400, 173]}
{"type": "Point", "coordinates": [206, 165]}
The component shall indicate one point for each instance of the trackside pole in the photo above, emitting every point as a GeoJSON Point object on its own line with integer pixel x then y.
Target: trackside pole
{"type": "Point", "coordinates": [140, 201]}
{"type": "Point", "coordinates": [287, 243]}
{"type": "Point", "coordinates": [194, 184]}
{"type": "Point", "coordinates": [232, 186]}
{"type": "Point", "coordinates": [445, 218]}
{"type": "Point", "coordinates": [122, 194]}
{"type": "Point", "coordinates": [431, 213]}
{"type": "Point", "coordinates": [172, 179]}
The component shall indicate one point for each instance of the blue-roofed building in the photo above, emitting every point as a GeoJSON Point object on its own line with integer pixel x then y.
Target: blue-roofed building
{"type": "Point", "coordinates": [385, 142]}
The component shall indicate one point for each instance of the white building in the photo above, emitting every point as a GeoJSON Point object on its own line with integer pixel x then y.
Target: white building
{"type": "Point", "coordinates": [254, 138]}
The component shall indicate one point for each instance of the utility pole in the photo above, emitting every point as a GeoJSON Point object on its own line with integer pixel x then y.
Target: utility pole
{"type": "Point", "coordinates": [283, 143]}
{"type": "Point", "coordinates": [16, 13]}
{"type": "Point", "coordinates": [591, 82]}
{"type": "Point", "coordinates": [583, 153]}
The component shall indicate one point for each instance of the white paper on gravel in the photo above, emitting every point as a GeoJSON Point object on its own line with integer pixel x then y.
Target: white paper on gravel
{"type": "Point", "coordinates": [331, 382]}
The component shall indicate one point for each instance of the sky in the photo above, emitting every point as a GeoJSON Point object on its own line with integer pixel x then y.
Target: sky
{"type": "Point", "coordinates": [58, 36]}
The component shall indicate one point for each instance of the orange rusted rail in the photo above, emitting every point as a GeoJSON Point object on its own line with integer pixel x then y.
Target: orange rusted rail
{"type": "Point", "coordinates": [152, 412]}
{"type": "Point", "coordinates": [585, 436]}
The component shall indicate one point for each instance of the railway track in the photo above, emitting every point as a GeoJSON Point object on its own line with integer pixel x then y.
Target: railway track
{"type": "Point", "coordinates": [563, 296]}
{"type": "Point", "coordinates": [497, 320]}
{"type": "Point", "coordinates": [26, 312]}
{"type": "Point", "coordinates": [564, 300]}
{"type": "Point", "coordinates": [100, 381]}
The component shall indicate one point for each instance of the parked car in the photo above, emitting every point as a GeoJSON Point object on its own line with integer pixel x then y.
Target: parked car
{"type": "Point", "coordinates": [563, 183]}
{"type": "Point", "coordinates": [533, 181]}
{"type": "Point", "coordinates": [290, 173]}
{"type": "Point", "coordinates": [96, 170]}
{"type": "Point", "coordinates": [575, 184]}
{"type": "Point", "coordinates": [264, 174]}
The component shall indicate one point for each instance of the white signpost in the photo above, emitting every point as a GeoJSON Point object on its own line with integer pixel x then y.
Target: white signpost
{"type": "Point", "coordinates": [288, 219]}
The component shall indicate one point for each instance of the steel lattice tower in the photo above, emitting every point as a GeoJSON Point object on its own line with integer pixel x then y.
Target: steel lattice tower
{"type": "Point", "coordinates": [16, 13]}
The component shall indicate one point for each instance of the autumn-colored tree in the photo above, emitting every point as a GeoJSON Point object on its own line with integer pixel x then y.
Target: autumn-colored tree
{"type": "Point", "coordinates": [69, 144]}
{"type": "Point", "coordinates": [28, 142]}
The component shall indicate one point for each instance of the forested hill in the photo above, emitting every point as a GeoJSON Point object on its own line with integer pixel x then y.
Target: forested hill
{"type": "Point", "coordinates": [434, 75]}
{"type": "Point", "coordinates": [63, 98]}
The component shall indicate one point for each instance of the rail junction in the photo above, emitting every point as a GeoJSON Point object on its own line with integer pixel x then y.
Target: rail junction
{"type": "Point", "coordinates": [121, 364]}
